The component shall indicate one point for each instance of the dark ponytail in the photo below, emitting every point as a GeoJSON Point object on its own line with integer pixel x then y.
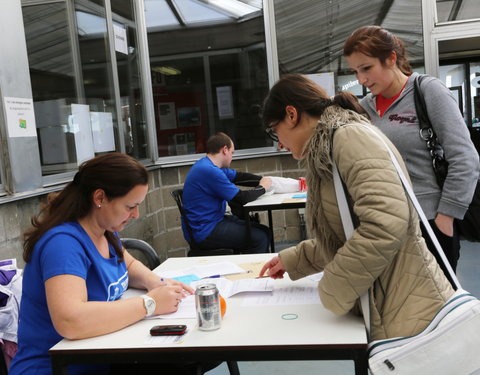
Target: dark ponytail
{"type": "Point", "coordinates": [347, 100]}
{"type": "Point", "coordinates": [306, 96]}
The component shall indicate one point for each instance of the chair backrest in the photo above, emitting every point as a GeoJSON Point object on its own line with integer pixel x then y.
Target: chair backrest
{"type": "Point", "coordinates": [194, 248]}
{"type": "Point", "coordinates": [178, 197]}
{"type": "Point", "coordinates": [147, 255]}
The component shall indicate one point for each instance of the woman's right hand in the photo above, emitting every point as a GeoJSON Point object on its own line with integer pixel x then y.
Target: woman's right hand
{"type": "Point", "coordinates": [167, 298]}
{"type": "Point", "coordinates": [275, 268]}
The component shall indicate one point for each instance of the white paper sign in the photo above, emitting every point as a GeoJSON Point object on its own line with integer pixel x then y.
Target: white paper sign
{"type": "Point", "coordinates": [80, 126]}
{"type": "Point", "coordinates": [168, 116]}
{"type": "Point", "coordinates": [120, 39]}
{"type": "Point", "coordinates": [102, 131]}
{"type": "Point", "coordinates": [225, 102]}
{"type": "Point", "coordinates": [20, 117]}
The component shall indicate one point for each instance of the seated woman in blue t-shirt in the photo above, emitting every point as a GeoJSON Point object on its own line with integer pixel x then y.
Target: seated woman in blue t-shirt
{"type": "Point", "coordinates": [77, 270]}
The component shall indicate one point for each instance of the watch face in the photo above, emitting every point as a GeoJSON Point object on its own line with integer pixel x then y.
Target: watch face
{"type": "Point", "coordinates": [149, 304]}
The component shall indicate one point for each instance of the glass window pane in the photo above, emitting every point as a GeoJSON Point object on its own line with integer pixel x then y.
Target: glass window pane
{"type": "Point", "coordinates": [97, 74]}
{"type": "Point", "coordinates": [50, 61]}
{"type": "Point", "coordinates": [131, 91]}
{"type": "Point", "coordinates": [454, 10]}
{"type": "Point", "coordinates": [475, 92]}
{"type": "Point", "coordinates": [207, 79]}
{"type": "Point", "coordinates": [454, 78]}
{"type": "Point", "coordinates": [311, 34]}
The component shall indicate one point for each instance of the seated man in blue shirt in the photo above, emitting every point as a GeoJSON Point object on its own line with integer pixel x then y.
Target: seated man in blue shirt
{"type": "Point", "coordinates": [208, 187]}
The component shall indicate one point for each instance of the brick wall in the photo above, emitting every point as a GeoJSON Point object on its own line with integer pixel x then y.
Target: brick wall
{"type": "Point", "coordinates": [159, 221]}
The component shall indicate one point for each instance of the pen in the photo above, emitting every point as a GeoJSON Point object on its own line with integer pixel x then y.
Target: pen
{"type": "Point", "coordinates": [227, 274]}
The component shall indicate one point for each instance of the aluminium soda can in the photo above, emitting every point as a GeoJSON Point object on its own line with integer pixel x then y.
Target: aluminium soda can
{"type": "Point", "coordinates": [207, 303]}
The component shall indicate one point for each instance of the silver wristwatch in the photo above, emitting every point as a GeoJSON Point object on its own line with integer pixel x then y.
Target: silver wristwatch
{"type": "Point", "coordinates": [149, 304]}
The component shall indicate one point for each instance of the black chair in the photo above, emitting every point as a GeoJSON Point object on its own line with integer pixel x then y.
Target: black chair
{"type": "Point", "coordinates": [195, 251]}
{"type": "Point", "coordinates": [142, 251]}
{"type": "Point", "coordinates": [3, 364]}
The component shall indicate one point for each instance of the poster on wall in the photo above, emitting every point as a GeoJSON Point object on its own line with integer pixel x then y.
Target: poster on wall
{"type": "Point", "coordinates": [189, 116]}
{"type": "Point", "coordinates": [102, 131]}
{"type": "Point", "coordinates": [168, 118]}
{"type": "Point", "coordinates": [79, 123]}
{"type": "Point", "coordinates": [225, 102]}
{"type": "Point", "coordinates": [324, 80]}
{"type": "Point", "coordinates": [20, 117]}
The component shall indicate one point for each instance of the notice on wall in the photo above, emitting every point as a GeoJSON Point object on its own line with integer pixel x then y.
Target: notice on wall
{"type": "Point", "coordinates": [167, 115]}
{"type": "Point", "coordinates": [120, 35]}
{"type": "Point", "coordinates": [81, 128]}
{"type": "Point", "coordinates": [225, 102]}
{"type": "Point", "coordinates": [325, 81]}
{"type": "Point", "coordinates": [102, 131]}
{"type": "Point", "coordinates": [20, 117]}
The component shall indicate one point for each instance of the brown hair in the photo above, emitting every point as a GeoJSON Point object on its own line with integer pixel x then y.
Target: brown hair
{"type": "Point", "coordinates": [306, 96]}
{"type": "Point", "coordinates": [115, 173]}
{"type": "Point", "coordinates": [218, 141]}
{"type": "Point", "coordinates": [375, 41]}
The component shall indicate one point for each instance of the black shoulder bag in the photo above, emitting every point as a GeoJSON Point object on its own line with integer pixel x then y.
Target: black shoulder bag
{"type": "Point", "coordinates": [469, 227]}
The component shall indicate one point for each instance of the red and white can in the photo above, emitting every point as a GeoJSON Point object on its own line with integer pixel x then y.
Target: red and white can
{"type": "Point", "coordinates": [302, 182]}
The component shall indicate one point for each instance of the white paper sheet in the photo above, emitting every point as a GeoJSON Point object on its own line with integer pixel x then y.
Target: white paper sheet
{"type": "Point", "coordinates": [291, 295]}
{"type": "Point", "coordinates": [208, 270]}
{"type": "Point", "coordinates": [228, 288]}
{"type": "Point", "coordinates": [186, 310]}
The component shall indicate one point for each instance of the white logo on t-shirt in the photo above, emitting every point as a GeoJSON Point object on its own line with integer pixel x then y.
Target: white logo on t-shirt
{"type": "Point", "coordinates": [116, 289]}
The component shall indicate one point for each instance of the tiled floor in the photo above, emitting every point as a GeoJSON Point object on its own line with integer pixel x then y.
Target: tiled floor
{"type": "Point", "coordinates": [468, 273]}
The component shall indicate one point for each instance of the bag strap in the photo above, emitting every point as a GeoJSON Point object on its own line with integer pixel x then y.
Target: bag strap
{"type": "Point", "coordinates": [348, 224]}
{"type": "Point", "coordinates": [427, 133]}
{"type": "Point", "coordinates": [420, 107]}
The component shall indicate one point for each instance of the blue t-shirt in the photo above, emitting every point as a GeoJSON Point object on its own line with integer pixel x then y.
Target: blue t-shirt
{"type": "Point", "coordinates": [206, 191]}
{"type": "Point", "coordinates": [64, 250]}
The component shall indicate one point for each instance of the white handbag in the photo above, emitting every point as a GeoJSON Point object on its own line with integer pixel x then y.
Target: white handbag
{"type": "Point", "coordinates": [450, 345]}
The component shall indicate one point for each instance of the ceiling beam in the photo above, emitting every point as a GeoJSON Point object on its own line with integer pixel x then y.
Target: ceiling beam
{"type": "Point", "coordinates": [455, 9]}
{"type": "Point", "coordinates": [176, 12]}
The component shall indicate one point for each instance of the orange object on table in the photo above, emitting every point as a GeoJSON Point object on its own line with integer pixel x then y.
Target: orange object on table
{"type": "Point", "coordinates": [223, 305]}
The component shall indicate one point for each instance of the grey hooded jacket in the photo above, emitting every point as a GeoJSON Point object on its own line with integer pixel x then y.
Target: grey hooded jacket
{"type": "Point", "coordinates": [400, 124]}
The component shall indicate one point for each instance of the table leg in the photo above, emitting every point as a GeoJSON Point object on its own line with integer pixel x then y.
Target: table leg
{"type": "Point", "coordinates": [272, 237]}
{"type": "Point", "coordinates": [361, 362]}
{"type": "Point", "coordinates": [246, 215]}
{"type": "Point", "coordinates": [58, 366]}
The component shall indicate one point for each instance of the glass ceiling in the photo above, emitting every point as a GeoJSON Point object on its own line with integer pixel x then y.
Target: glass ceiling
{"type": "Point", "coordinates": [163, 14]}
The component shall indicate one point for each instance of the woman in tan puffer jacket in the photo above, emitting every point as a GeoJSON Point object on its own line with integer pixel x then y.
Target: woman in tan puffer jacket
{"type": "Point", "coordinates": [386, 254]}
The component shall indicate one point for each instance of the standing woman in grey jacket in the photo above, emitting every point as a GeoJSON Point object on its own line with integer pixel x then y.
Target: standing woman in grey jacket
{"type": "Point", "coordinates": [379, 61]}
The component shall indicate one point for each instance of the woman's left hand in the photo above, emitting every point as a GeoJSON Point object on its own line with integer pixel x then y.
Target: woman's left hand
{"type": "Point", "coordinates": [445, 224]}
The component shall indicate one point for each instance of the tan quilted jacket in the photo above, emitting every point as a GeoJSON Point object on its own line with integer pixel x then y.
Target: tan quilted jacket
{"type": "Point", "coordinates": [386, 252]}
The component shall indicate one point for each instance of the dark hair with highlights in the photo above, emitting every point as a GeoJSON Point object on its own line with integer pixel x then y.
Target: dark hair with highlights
{"type": "Point", "coordinates": [306, 96]}
{"type": "Point", "coordinates": [375, 41]}
{"type": "Point", "coordinates": [115, 173]}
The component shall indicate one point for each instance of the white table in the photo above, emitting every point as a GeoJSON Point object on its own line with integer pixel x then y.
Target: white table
{"type": "Point", "coordinates": [270, 203]}
{"type": "Point", "coordinates": [247, 334]}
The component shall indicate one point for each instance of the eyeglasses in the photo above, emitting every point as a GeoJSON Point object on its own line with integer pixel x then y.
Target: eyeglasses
{"type": "Point", "coordinates": [271, 133]}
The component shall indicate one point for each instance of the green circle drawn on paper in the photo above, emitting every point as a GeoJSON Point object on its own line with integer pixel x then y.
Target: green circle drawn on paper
{"type": "Point", "coordinates": [289, 316]}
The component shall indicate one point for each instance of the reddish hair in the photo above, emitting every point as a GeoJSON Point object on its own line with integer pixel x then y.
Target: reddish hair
{"type": "Point", "coordinates": [375, 41]}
